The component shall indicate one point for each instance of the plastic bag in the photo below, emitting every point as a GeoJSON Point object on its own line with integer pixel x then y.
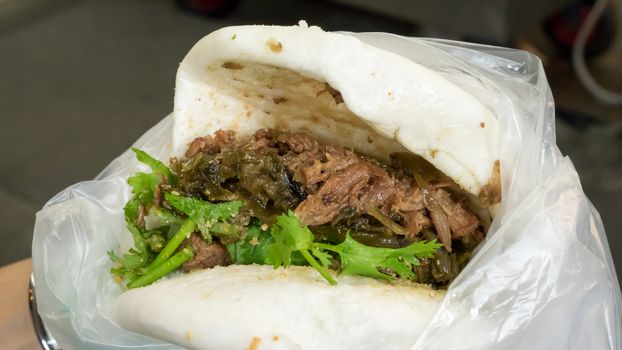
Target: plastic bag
{"type": "Point", "coordinates": [544, 277]}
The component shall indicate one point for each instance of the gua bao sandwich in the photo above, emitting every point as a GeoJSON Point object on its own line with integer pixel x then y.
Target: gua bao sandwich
{"type": "Point", "coordinates": [321, 194]}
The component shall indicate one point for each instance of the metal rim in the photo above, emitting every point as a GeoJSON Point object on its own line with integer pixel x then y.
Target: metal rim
{"type": "Point", "coordinates": [44, 337]}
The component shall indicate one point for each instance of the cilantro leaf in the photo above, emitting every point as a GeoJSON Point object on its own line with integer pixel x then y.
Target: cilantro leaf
{"type": "Point", "coordinates": [157, 167]}
{"type": "Point", "coordinates": [291, 237]}
{"type": "Point", "coordinates": [139, 255]}
{"type": "Point", "coordinates": [206, 215]}
{"type": "Point", "coordinates": [251, 249]}
{"type": "Point", "coordinates": [155, 241]}
{"type": "Point", "coordinates": [324, 257]}
{"type": "Point", "coordinates": [160, 218]}
{"type": "Point", "coordinates": [144, 187]}
{"type": "Point", "coordinates": [359, 259]}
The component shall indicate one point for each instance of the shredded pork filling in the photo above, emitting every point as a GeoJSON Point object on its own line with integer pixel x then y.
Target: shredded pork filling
{"type": "Point", "coordinates": [333, 190]}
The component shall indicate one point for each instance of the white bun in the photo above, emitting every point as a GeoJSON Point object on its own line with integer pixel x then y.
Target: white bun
{"type": "Point", "coordinates": [252, 77]}
{"type": "Point", "coordinates": [390, 103]}
{"type": "Point", "coordinates": [237, 306]}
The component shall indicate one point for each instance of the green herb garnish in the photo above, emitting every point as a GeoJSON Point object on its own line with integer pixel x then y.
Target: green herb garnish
{"type": "Point", "coordinates": [144, 186]}
{"type": "Point", "coordinates": [209, 217]}
{"type": "Point", "coordinates": [163, 269]}
{"type": "Point", "coordinates": [251, 249]}
{"type": "Point", "coordinates": [158, 234]}
{"type": "Point", "coordinates": [356, 259]}
{"type": "Point", "coordinates": [157, 167]}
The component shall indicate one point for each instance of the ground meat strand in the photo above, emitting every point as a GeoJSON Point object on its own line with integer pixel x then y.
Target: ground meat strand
{"type": "Point", "coordinates": [415, 221]}
{"type": "Point", "coordinates": [312, 163]}
{"type": "Point", "coordinates": [491, 192]}
{"type": "Point", "coordinates": [409, 198]}
{"type": "Point", "coordinates": [461, 221]}
{"type": "Point", "coordinates": [205, 255]}
{"type": "Point", "coordinates": [450, 216]}
{"type": "Point", "coordinates": [211, 144]}
{"type": "Point", "coordinates": [261, 139]}
{"type": "Point", "coordinates": [441, 223]}
{"type": "Point", "coordinates": [335, 194]}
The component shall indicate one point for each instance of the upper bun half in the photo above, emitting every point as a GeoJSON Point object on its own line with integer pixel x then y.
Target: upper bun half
{"type": "Point", "coordinates": [338, 89]}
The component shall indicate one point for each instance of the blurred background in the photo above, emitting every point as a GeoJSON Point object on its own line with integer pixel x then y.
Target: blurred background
{"type": "Point", "coordinates": [81, 80]}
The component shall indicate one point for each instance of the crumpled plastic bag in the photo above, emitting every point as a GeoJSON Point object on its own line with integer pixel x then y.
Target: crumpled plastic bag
{"type": "Point", "coordinates": [543, 279]}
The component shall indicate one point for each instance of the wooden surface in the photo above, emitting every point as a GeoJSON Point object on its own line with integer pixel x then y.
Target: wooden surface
{"type": "Point", "coordinates": [16, 330]}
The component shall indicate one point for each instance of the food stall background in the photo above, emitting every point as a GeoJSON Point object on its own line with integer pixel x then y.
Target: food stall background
{"type": "Point", "coordinates": [80, 80]}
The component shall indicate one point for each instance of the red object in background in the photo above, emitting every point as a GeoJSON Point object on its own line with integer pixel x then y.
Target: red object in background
{"type": "Point", "coordinates": [563, 27]}
{"type": "Point", "coordinates": [211, 8]}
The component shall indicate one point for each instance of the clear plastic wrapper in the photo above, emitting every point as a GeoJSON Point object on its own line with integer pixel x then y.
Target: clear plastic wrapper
{"type": "Point", "coordinates": [543, 279]}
